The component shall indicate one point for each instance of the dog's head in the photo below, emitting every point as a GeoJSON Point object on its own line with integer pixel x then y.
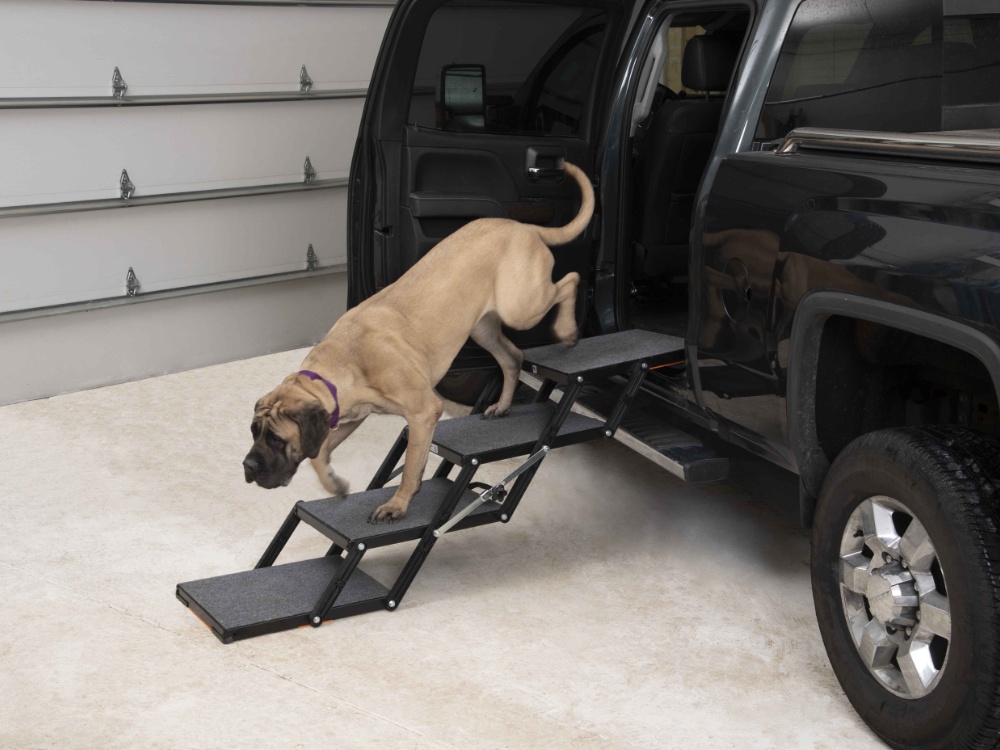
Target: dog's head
{"type": "Point", "coordinates": [289, 425]}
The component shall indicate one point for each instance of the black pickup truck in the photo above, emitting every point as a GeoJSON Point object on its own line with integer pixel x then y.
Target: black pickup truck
{"type": "Point", "coordinates": [806, 191]}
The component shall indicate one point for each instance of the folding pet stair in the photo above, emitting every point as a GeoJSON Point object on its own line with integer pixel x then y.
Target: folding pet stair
{"type": "Point", "coordinates": [272, 597]}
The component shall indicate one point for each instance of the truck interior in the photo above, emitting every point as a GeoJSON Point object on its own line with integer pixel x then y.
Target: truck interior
{"type": "Point", "coordinates": [675, 121]}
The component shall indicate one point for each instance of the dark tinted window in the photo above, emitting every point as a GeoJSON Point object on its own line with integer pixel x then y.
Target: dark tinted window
{"type": "Point", "coordinates": [971, 62]}
{"type": "Point", "coordinates": [539, 63]}
{"type": "Point", "coordinates": [894, 65]}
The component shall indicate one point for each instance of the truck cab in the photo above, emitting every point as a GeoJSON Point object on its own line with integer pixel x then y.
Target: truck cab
{"type": "Point", "coordinates": [761, 194]}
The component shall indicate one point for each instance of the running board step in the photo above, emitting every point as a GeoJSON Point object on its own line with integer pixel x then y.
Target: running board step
{"type": "Point", "coordinates": [466, 438]}
{"type": "Point", "coordinates": [345, 521]}
{"type": "Point", "coordinates": [647, 429]}
{"type": "Point", "coordinates": [268, 600]}
{"type": "Point", "coordinates": [603, 356]}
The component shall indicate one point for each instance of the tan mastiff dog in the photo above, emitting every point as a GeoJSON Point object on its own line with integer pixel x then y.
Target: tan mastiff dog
{"type": "Point", "coordinates": [386, 355]}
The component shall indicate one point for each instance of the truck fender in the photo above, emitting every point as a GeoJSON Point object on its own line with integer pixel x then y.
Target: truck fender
{"type": "Point", "coordinates": [814, 310]}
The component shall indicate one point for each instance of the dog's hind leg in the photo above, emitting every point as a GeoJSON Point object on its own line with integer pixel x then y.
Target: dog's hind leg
{"type": "Point", "coordinates": [489, 335]}
{"type": "Point", "coordinates": [321, 464]}
{"type": "Point", "coordinates": [565, 326]}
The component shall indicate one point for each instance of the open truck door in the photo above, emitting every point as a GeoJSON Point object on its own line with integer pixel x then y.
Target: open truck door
{"type": "Point", "coordinates": [472, 107]}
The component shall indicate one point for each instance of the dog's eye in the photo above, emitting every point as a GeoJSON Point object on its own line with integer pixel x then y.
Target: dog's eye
{"type": "Point", "coordinates": [274, 441]}
{"type": "Point", "coordinates": [255, 430]}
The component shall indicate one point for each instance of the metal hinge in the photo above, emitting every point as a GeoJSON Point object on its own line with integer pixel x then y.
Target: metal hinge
{"type": "Point", "coordinates": [305, 82]}
{"type": "Point", "coordinates": [118, 85]}
{"type": "Point", "coordinates": [312, 261]}
{"type": "Point", "coordinates": [310, 173]}
{"type": "Point", "coordinates": [132, 285]}
{"type": "Point", "coordinates": [125, 187]}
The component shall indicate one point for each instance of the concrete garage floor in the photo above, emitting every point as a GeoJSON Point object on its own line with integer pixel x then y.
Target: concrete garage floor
{"type": "Point", "coordinates": [620, 608]}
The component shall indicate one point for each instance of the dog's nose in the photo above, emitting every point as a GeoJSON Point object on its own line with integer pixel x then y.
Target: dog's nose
{"type": "Point", "coordinates": [250, 468]}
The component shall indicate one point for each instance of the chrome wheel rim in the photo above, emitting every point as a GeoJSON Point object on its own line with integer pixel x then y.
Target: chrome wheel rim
{"type": "Point", "coordinates": [895, 597]}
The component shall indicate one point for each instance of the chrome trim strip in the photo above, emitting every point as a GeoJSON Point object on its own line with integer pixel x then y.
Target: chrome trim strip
{"type": "Point", "coordinates": [970, 145]}
{"type": "Point", "coordinates": [219, 286]}
{"type": "Point", "coordinates": [100, 204]}
{"type": "Point", "coordinates": [153, 100]}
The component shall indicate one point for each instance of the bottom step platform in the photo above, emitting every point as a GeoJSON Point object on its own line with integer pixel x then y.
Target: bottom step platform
{"type": "Point", "coordinates": [267, 600]}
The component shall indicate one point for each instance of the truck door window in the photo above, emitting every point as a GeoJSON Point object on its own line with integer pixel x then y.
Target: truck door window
{"type": "Point", "coordinates": [539, 62]}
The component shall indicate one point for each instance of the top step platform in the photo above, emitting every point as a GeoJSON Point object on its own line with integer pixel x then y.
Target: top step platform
{"type": "Point", "coordinates": [603, 356]}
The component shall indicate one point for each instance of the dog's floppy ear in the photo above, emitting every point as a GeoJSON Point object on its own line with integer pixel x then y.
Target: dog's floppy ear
{"type": "Point", "coordinates": [314, 426]}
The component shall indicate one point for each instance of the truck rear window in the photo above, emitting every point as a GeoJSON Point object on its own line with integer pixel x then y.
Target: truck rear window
{"type": "Point", "coordinates": [912, 66]}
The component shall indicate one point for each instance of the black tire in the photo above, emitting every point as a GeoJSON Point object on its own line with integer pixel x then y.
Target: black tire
{"type": "Point", "coordinates": [949, 478]}
{"type": "Point", "coordinates": [464, 386]}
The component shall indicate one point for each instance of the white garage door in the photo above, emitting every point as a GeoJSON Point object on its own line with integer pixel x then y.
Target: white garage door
{"type": "Point", "coordinates": [224, 103]}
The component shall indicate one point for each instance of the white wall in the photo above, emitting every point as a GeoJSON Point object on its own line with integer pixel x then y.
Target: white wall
{"type": "Point", "coordinates": [55, 52]}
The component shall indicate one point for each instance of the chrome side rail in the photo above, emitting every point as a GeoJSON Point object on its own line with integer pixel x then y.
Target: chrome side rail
{"type": "Point", "coordinates": [969, 145]}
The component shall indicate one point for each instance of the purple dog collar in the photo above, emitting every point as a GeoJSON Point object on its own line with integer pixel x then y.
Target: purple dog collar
{"type": "Point", "coordinates": [335, 416]}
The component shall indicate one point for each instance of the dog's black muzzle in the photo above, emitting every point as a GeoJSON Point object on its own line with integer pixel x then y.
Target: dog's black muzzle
{"type": "Point", "coordinates": [255, 469]}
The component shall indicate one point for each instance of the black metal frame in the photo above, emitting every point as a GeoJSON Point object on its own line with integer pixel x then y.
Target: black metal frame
{"type": "Point", "coordinates": [350, 551]}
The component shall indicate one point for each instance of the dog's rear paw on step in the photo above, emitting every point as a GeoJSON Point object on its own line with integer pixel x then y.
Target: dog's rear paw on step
{"type": "Point", "coordinates": [494, 412]}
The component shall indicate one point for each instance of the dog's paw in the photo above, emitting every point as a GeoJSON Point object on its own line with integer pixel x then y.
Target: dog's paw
{"type": "Point", "coordinates": [387, 513]}
{"type": "Point", "coordinates": [570, 340]}
{"type": "Point", "coordinates": [494, 412]}
{"type": "Point", "coordinates": [334, 485]}
{"type": "Point", "coordinates": [341, 487]}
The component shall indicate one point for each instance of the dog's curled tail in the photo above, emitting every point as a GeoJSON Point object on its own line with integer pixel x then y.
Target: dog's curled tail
{"type": "Point", "coordinates": [552, 236]}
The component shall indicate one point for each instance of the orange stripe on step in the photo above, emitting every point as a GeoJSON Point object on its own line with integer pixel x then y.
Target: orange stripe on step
{"type": "Point", "coordinates": [669, 364]}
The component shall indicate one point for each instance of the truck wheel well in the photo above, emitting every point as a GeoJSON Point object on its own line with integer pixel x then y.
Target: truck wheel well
{"type": "Point", "coordinates": [871, 376]}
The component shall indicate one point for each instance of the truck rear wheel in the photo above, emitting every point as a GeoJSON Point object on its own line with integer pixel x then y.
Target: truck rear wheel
{"type": "Point", "coordinates": [906, 584]}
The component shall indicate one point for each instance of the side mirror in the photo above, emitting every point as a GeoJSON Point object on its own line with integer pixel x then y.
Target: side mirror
{"type": "Point", "coordinates": [462, 102]}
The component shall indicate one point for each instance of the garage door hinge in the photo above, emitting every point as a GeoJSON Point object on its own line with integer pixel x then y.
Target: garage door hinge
{"type": "Point", "coordinates": [305, 82]}
{"type": "Point", "coordinates": [118, 85]}
{"type": "Point", "coordinates": [125, 187]}
{"type": "Point", "coordinates": [312, 261]}
{"type": "Point", "coordinates": [309, 172]}
{"type": "Point", "coordinates": [132, 285]}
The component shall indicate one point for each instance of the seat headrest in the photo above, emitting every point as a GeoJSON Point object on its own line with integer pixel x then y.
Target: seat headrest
{"type": "Point", "coordinates": [708, 63]}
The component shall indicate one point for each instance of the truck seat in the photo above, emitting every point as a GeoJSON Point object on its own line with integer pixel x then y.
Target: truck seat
{"type": "Point", "coordinates": [673, 155]}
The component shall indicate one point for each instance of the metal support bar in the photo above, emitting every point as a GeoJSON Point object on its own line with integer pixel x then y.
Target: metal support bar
{"type": "Point", "coordinates": [280, 539]}
{"type": "Point", "coordinates": [333, 589]}
{"type": "Point", "coordinates": [551, 430]}
{"type": "Point", "coordinates": [489, 394]}
{"type": "Point", "coordinates": [487, 495]}
{"type": "Point", "coordinates": [392, 458]}
{"type": "Point", "coordinates": [625, 400]}
{"type": "Point", "coordinates": [544, 391]}
{"type": "Point", "coordinates": [427, 541]}
{"type": "Point", "coordinates": [100, 204]}
{"type": "Point", "coordinates": [159, 100]}
{"type": "Point", "coordinates": [444, 469]}
{"type": "Point", "coordinates": [335, 551]}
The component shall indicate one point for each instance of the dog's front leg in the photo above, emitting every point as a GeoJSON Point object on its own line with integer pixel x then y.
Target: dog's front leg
{"type": "Point", "coordinates": [321, 464]}
{"type": "Point", "coordinates": [421, 433]}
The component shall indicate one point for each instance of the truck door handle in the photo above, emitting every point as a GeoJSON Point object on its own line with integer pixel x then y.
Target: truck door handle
{"type": "Point", "coordinates": [537, 173]}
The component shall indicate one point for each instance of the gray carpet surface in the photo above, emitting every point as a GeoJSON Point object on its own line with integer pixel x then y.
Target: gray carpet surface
{"type": "Point", "coordinates": [349, 516]}
{"type": "Point", "coordinates": [600, 352]}
{"type": "Point", "coordinates": [238, 600]}
{"type": "Point", "coordinates": [473, 435]}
